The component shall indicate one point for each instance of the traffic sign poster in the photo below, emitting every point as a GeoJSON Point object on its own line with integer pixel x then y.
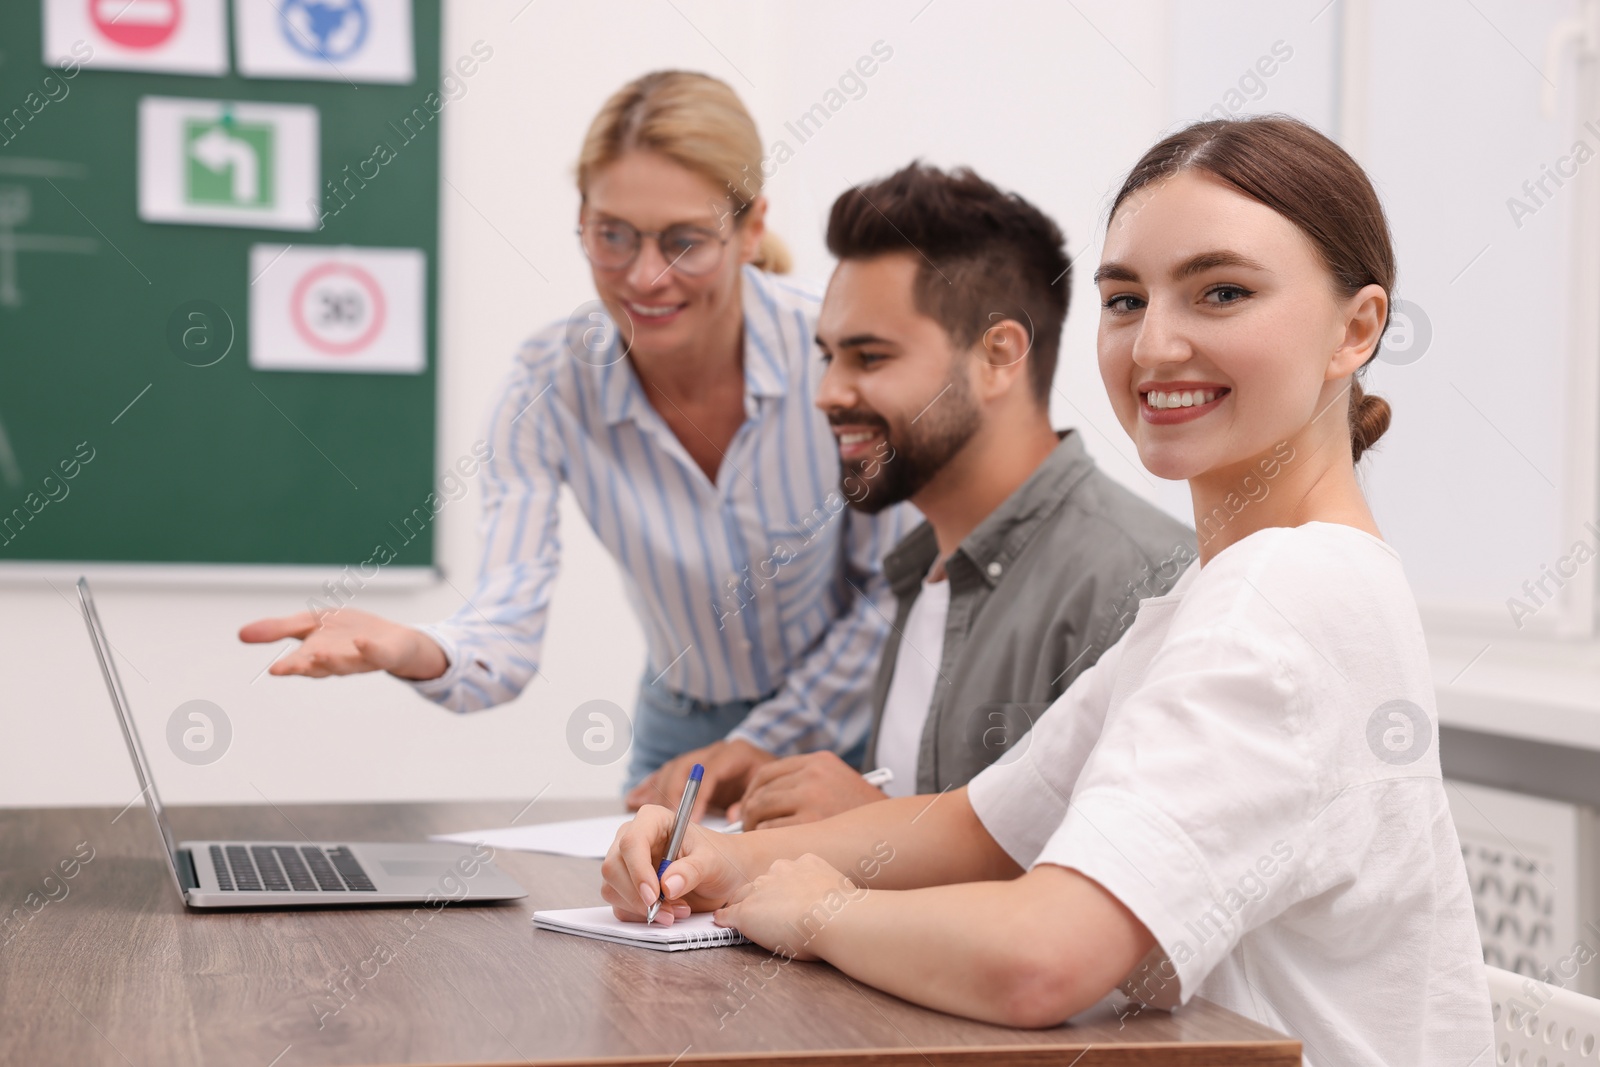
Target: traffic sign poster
{"type": "Point", "coordinates": [325, 40]}
{"type": "Point", "coordinates": [173, 36]}
{"type": "Point", "coordinates": [218, 163]}
{"type": "Point", "coordinates": [341, 309]}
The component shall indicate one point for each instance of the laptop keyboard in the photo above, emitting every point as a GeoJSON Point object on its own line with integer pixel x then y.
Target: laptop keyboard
{"type": "Point", "coordinates": [279, 868]}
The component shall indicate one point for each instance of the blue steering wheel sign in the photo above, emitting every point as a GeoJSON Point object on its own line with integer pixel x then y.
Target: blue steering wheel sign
{"type": "Point", "coordinates": [326, 40]}
{"type": "Point", "coordinates": [325, 29]}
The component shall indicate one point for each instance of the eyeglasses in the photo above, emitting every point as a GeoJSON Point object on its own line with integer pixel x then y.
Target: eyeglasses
{"type": "Point", "coordinates": [690, 250]}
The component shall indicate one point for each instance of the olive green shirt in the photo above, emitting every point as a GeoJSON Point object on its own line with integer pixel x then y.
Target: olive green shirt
{"type": "Point", "coordinates": [1044, 585]}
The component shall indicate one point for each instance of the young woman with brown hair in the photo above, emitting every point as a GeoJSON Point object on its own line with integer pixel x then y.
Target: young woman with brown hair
{"type": "Point", "coordinates": [1241, 800]}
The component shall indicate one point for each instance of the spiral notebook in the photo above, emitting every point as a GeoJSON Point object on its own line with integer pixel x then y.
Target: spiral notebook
{"type": "Point", "coordinates": [697, 931]}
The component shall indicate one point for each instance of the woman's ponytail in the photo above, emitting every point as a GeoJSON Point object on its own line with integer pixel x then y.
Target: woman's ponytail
{"type": "Point", "coordinates": [772, 255]}
{"type": "Point", "coordinates": [1369, 418]}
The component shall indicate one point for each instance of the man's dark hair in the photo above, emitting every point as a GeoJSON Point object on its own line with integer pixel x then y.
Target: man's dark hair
{"type": "Point", "coordinates": [982, 255]}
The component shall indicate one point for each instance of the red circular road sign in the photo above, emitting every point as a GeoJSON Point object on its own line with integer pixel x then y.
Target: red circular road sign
{"type": "Point", "coordinates": [136, 23]}
{"type": "Point", "coordinates": [337, 308]}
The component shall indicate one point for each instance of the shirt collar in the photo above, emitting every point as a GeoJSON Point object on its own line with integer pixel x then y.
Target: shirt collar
{"type": "Point", "coordinates": [988, 551]}
{"type": "Point", "coordinates": [909, 561]}
{"type": "Point", "coordinates": [1000, 538]}
{"type": "Point", "coordinates": [765, 368]}
{"type": "Point", "coordinates": [765, 374]}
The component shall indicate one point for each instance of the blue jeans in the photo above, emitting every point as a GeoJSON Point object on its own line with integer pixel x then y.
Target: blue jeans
{"type": "Point", "coordinates": [667, 724]}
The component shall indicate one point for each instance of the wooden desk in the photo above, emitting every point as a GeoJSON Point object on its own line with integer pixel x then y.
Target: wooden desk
{"type": "Point", "coordinates": [117, 972]}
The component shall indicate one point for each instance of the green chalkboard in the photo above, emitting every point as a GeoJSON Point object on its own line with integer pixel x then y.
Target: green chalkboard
{"type": "Point", "coordinates": [115, 449]}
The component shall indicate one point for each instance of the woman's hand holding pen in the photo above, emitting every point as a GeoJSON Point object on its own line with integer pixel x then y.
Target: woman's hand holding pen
{"type": "Point", "coordinates": [778, 903]}
{"type": "Point", "coordinates": [776, 907]}
{"type": "Point", "coordinates": [710, 867]}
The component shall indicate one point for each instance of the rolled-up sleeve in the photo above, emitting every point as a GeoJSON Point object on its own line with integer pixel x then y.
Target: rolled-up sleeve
{"type": "Point", "coordinates": [1022, 798]}
{"type": "Point", "coordinates": [1160, 816]}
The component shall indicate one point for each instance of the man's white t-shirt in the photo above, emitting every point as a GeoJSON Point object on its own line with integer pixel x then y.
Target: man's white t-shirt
{"type": "Point", "coordinates": [1253, 770]}
{"type": "Point", "coordinates": [916, 673]}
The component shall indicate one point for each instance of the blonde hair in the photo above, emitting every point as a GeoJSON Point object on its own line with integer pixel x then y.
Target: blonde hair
{"type": "Point", "coordinates": [697, 122]}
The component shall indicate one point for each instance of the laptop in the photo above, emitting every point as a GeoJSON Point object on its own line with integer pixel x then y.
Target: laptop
{"type": "Point", "coordinates": [300, 874]}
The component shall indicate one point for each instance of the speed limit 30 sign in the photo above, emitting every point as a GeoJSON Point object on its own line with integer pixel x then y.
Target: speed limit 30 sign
{"type": "Point", "coordinates": [338, 309]}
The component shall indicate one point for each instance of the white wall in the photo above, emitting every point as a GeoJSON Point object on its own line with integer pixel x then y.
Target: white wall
{"type": "Point", "coordinates": [1056, 112]}
{"type": "Point", "coordinates": [1053, 100]}
{"type": "Point", "coordinates": [1484, 418]}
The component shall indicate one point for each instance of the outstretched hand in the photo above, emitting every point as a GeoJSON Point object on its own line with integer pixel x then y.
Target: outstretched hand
{"type": "Point", "coordinates": [348, 641]}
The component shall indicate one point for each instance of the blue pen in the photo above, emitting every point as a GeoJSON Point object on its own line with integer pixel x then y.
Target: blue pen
{"type": "Point", "coordinates": [680, 826]}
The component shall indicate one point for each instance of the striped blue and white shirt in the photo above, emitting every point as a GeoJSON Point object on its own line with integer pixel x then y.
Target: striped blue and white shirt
{"type": "Point", "coordinates": [762, 583]}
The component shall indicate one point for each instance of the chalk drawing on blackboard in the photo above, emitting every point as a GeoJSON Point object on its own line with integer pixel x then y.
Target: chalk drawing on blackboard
{"type": "Point", "coordinates": [16, 208]}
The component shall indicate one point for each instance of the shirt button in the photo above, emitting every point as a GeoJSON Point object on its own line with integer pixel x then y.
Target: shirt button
{"type": "Point", "coordinates": [994, 569]}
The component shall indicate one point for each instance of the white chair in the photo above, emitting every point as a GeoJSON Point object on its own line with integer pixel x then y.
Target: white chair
{"type": "Point", "coordinates": [1538, 1025]}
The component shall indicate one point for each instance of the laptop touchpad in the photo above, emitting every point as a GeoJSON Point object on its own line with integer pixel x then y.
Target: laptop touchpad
{"type": "Point", "coordinates": [412, 868]}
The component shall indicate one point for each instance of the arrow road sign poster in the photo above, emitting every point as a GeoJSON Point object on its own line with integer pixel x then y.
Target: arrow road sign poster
{"type": "Point", "coordinates": [172, 36]}
{"type": "Point", "coordinates": [325, 40]}
{"type": "Point", "coordinates": [228, 164]}
{"type": "Point", "coordinates": [342, 309]}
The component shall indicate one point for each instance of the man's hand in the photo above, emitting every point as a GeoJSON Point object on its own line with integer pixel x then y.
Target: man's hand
{"type": "Point", "coordinates": [348, 641]}
{"type": "Point", "coordinates": [804, 789]}
{"type": "Point", "coordinates": [708, 869]}
{"type": "Point", "coordinates": [728, 767]}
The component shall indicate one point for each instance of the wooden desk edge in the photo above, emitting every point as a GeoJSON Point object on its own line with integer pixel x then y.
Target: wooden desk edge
{"type": "Point", "coordinates": [1266, 1053]}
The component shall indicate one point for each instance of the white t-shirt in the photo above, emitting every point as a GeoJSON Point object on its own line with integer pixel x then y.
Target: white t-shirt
{"type": "Point", "coordinates": [916, 673]}
{"type": "Point", "coordinates": [1253, 770]}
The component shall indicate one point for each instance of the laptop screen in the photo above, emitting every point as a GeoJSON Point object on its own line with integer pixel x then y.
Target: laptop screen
{"type": "Point", "coordinates": [130, 732]}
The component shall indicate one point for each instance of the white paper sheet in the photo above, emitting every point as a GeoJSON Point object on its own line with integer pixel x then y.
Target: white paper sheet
{"type": "Point", "coordinates": [584, 838]}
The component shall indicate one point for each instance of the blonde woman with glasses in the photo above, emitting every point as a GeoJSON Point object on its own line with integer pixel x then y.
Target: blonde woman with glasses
{"type": "Point", "coordinates": [681, 413]}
